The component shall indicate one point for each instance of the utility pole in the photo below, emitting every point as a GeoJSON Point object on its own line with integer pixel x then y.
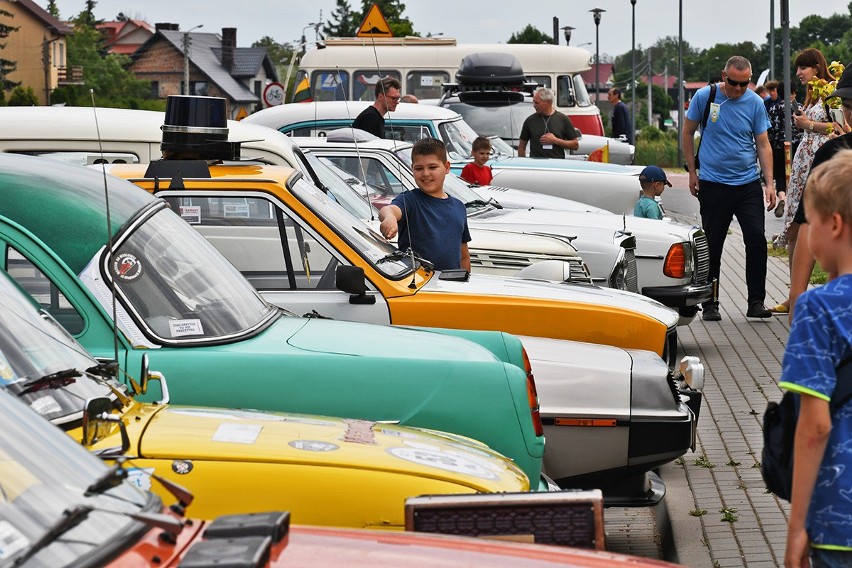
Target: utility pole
{"type": "Point", "coordinates": [186, 43]}
{"type": "Point", "coordinates": [680, 89]}
{"type": "Point", "coordinates": [650, 80]}
{"type": "Point", "coordinates": [772, 39]}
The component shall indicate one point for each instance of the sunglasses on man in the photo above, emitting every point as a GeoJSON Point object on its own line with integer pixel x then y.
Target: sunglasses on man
{"type": "Point", "coordinates": [740, 84]}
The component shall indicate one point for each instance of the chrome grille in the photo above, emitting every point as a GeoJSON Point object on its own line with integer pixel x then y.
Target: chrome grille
{"type": "Point", "coordinates": [578, 270]}
{"type": "Point", "coordinates": [702, 257]}
{"type": "Point", "coordinates": [632, 273]}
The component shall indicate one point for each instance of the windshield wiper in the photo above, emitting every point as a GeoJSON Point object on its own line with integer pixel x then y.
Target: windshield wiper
{"type": "Point", "coordinates": [483, 203]}
{"type": "Point", "coordinates": [402, 255]}
{"type": "Point", "coordinates": [53, 380]}
{"type": "Point", "coordinates": [70, 519]}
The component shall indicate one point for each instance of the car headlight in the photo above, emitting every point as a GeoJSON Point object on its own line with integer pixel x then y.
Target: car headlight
{"type": "Point", "coordinates": [618, 279]}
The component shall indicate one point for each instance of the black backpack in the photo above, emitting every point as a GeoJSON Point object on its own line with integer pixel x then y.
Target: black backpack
{"type": "Point", "coordinates": [779, 432]}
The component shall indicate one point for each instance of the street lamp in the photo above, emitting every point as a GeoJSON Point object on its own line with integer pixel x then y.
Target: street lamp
{"type": "Point", "coordinates": [596, 13]}
{"type": "Point", "coordinates": [633, 72]}
{"type": "Point", "coordinates": [566, 31]}
{"type": "Point", "coordinates": [304, 41]}
{"type": "Point", "coordinates": [186, 42]}
{"type": "Point", "coordinates": [301, 46]}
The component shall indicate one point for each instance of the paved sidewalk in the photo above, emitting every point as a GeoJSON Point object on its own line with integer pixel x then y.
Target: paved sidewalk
{"type": "Point", "coordinates": [720, 513]}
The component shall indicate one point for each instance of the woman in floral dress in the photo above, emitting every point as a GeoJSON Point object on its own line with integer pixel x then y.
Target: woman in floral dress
{"type": "Point", "coordinates": [816, 125]}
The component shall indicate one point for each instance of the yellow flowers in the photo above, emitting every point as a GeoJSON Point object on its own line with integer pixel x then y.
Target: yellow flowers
{"type": "Point", "coordinates": [823, 89]}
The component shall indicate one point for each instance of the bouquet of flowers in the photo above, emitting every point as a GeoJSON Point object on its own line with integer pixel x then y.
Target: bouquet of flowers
{"type": "Point", "coordinates": [823, 89]}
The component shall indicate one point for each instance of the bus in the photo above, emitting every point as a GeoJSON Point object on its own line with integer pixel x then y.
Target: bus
{"type": "Point", "coordinates": [348, 69]}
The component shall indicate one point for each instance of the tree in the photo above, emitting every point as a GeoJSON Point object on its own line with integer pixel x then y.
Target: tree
{"type": "Point", "coordinates": [23, 97]}
{"type": "Point", "coordinates": [530, 34]}
{"type": "Point", "coordinates": [104, 73]}
{"type": "Point", "coordinates": [87, 16]}
{"type": "Point", "coordinates": [344, 22]}
{"type": "Point", "coordinates": [392, 11]}
{"type": "Point", "coordinates": [52, 9]}
{"type": "Point", "coordinates": [6, 65]}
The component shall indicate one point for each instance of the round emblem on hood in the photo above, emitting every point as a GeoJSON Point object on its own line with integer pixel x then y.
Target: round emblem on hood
{"type": "Point", "coordinates": [181, 467]}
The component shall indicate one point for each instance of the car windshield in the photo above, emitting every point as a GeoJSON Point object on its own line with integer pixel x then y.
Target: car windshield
{"type": "Point", "coordinates": [43, 474]}
{"type": "Point", "coordinates": [40, 362]}
{"type": "Point", "coordinates": [458, 137]}
{"type": "Point", "coordinates": [342, 186]}
{"type": "Point", "coordinates": [178, 286]}
{"type": "Point", "coordinates": [499, 118]}
{"type": "Point", "coordinates": [370, 245]}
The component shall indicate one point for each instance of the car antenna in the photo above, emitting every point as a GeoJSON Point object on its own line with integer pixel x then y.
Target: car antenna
{"type": "Point", "coordinates": [357, 151]}
{"type": "Point", "coordinates": [413, 284]}
{"type": "Point", "coordinates": [110, 251]}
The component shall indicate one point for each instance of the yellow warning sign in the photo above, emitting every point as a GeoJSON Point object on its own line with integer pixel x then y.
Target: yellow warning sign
{"type": "Point", "coordinates": [241, 114]}
{"type": "Point", "coordinates": [374, 24]}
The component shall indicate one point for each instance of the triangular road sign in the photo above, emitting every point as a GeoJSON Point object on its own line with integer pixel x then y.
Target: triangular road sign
{"type": "Point", "coordinates": [374, 24]}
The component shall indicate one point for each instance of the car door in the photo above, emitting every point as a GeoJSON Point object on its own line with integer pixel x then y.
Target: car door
{"type": "Point", "coordinates": [292, 265]}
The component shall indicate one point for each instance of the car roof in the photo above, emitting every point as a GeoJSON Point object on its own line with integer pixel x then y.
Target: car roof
{"type": "Point", "coordinates": [36, 193]}
{"type": "Point", "coordinates": [282, 115]}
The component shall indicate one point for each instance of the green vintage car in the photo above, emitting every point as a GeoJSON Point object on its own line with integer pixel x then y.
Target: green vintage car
{"type": "Point", "coordinates": [173, 297]}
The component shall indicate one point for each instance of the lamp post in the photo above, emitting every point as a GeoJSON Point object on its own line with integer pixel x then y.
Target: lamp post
{"type": "Point", "coordinates": [680, 86]}
{"type": "Point", "coordinates": [596, 13]}
{"type": "Point", "coordinates": [320, 45]}
{"type": "Point", "coordinates": [186, 42]}
{"type": "Point", "coordinates": [633, 71]}
{"type": "Point", "coordinates": [566, 31]}
{"type": "Point", "coordinates": [304, 41]}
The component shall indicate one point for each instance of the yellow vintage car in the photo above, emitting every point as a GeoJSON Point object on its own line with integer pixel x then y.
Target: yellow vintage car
{"type": "Point", "coordinates": [325, 471]}
{"type": "Point", "coordinates": [304, 252]}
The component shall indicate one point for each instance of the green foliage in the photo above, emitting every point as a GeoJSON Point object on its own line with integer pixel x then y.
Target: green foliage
{"type": "Point", "coordinates": [52, 8]}
{"type": "Point", "coordinates": [343, 21]}
{"type": "Point", "coordinates": [105, 74]}
{"type": "Point", "coordinates": [530, 34]}
{"type": "Point", "coordinates": [653, 146]}
{"type": "Point", "coordinates": [23, 96]}
{"type": "Point", "coordinates": [6, 65]}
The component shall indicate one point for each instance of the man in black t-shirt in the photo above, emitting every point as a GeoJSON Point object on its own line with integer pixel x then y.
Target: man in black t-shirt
{"type": "Point", "coordinates": [372, 118]}
{"type": "Point", "coordinates": [548, 131]}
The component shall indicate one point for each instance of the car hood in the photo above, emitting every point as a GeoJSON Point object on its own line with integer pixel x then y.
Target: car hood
{"type": "Point", "coordinates": [213, 434]}
{"type": "Point", "coordinates": [383, 341]}
{"type": "Point", "coordinates": [541, 290]}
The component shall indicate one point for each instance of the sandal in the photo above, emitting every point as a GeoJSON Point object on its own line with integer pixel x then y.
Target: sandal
{"type": "Point", "coordinates": [779, 209]}
{"type": "Point", "coordinates": [780, 309]}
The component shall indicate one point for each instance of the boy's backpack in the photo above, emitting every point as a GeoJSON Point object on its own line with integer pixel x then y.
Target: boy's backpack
{"type": "Point", "coordinates": [779, 432]}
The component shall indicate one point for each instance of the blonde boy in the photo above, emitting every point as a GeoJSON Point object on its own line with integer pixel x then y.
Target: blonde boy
{"type": "Point", "coordinates": [653, 181]}
{"type": "Point", "coordinates": [820, 340]}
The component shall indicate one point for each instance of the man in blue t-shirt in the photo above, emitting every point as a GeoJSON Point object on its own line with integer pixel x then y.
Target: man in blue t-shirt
{"type": "Point", "coordinates": [428, 220]}
{"type": "Point", "coordinates": [820, 340]}
{"type": "Point", "coordinates": [728, 184]}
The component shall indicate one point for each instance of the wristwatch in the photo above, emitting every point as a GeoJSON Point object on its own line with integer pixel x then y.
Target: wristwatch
{"type": "Point", "coordinates": [811, 127]}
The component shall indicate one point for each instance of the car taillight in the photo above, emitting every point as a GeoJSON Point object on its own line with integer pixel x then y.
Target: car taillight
{"type": "Point", "coordinates": [675, 264]}
{"type": "Point", "coordinates": [532, 397]}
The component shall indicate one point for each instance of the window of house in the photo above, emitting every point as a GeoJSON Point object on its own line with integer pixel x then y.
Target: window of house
{"type": "Point", "coordinates": [198, 88]}
{"type": "Point", "coordinates": [155, 89]}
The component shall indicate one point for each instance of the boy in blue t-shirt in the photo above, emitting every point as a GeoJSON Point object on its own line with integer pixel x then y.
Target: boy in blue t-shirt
{"type": "Point", "coordinates": [653, 181]}
{"type": "Point", "coordinates": [426, 219]}
{"type": "Point", "coordinates": [820, 339]}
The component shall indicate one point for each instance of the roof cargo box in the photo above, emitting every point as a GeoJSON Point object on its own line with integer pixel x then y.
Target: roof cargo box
{"type": "Point", "coordinates": [490, 68]}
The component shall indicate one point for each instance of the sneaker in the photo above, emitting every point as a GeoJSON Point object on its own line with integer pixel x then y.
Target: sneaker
{"type": "Point", "coordinates": [710, 312]}
{"type": "Point", "coordinates": [779, 209]}
{"type": "Point", "coordinates": [757, 310]}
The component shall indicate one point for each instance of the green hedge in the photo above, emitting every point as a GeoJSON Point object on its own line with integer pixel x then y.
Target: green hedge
{"type": "Point", "coordinates": [654, 146]}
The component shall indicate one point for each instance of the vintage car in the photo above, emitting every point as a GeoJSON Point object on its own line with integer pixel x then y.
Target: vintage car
{"type": "Point", "coordinates": [131, 136]}
{"type": "Point", "coordinates": [613, 187]}
{"type": "Point", "coordinates": [329, 471]}
{"type": "Point", "coordinates": [174, 298]}
{"type": "Point", "coordinates": [665, 260]}
{"type": "Point", "coordinates": [63, 507]}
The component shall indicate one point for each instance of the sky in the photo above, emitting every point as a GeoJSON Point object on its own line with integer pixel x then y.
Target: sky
{"type": "Point", "coordinates": [704, 23]}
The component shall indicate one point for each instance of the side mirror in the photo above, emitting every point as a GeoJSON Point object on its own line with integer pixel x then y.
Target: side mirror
{"type": "Point", "coordinates": [98, 424]}
{"type": "Point", "coordinates": [351, 279]}
{"type": "Point", "coordinates": [146, 375]}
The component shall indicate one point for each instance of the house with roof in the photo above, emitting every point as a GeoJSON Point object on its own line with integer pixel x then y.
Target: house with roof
{"type": "Point", "coordinates": [125, 37]}
{"type": "Point", "coordinates": [212, 63]}
{"type": "Point", "coordinates": [38, 48]}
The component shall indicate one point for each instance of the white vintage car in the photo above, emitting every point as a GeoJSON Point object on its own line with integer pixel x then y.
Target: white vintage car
{"type": "Point", "coordinates": [671, 258]}
{"type": "Point", "coordinates": [131, 136]}
{"type": "Point", "coordinates": [615, 187]}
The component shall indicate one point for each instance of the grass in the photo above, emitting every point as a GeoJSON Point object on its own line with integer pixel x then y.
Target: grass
{"type": "Point", "coordinates": [702, 461]}
{"type": "Point", "coordinates": [818, 276]}
{"type": "Point", "coordinates": [728, 515]}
